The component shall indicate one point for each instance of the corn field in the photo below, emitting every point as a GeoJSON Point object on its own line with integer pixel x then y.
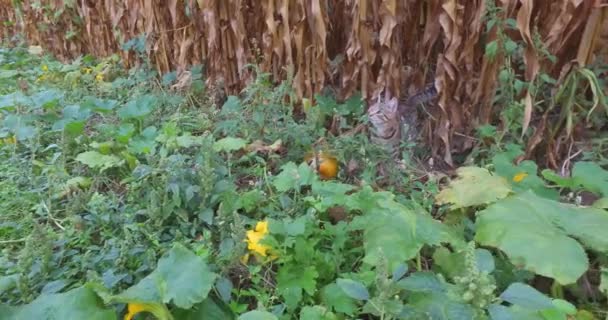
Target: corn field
{"type": "Point", "coordinates": [351, 45]}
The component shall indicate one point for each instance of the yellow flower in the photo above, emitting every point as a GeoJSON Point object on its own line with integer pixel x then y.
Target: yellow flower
{"type": "Point", "coordinates": [520, 177]}
{"type": "Point", "coordinates": [133, 309]}
{"type": "Point", "coordinates": [255, 236]}
{"type": "Point", "coordinates": [10, 140]}
{"type": "Point", "coordinates": [158, 310]}
{"type": "Point", "coordinates": [99, 77]}
{"type": "Point", "coordinates": [44, 68]}
{"type": "Point", "coordinates": [87, 70]}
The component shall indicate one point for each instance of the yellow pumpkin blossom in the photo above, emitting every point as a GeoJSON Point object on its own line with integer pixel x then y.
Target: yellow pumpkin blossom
{"type": "Point", "coordinates": [519, 177]}
{"type": "Point", "coordinates": [99, 77]}
{"type": "Point", "coordinates": [133, 309]}
{"type": "Point", "coordinates": [158, 310]}
{"type": "Point", "coordinates": [87, 70]}
{"type": "Point", "coordinates": [44, 68]}
{"type": "Point", "coordinates": [255, 236]}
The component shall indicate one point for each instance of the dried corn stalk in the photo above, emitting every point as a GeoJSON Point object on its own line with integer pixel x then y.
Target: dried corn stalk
{"type": "Point", "coordinates": [365, 45]}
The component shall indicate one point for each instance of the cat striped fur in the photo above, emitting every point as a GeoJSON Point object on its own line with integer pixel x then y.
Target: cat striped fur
{"type": "Point", "coordinates": [387, 117]}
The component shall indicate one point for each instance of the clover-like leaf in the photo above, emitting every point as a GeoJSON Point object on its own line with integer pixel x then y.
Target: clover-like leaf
{"type": "Point", "coordinates": [540, 234]}
{"type": "Point", "coordinates": [291, 282]}
{"type": "Point", "coordinates": [474, 186]}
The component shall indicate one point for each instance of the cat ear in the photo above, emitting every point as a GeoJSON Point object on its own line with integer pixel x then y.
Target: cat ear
{"type": "Point", "coordinates": [392, 104]}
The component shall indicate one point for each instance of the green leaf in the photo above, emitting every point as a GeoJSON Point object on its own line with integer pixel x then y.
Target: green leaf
{"type": "Point", "coordinates": [125, 132]}
{"type": "Point", "coordinates": [316, 313]}
{"type": "Point", "coordinates": [474, 186]}
{"type": "Point", "coordinates": [564, 182]}
{"type": "Point", "coordinates": [422, 282]}
{"type": "Point", "coordinates": [491, 49]}
{"type": "Point", "coordinates": [145, 142]}
{"type": "Point", "coordinates": [80, 303]}
{"type": "Point", "coordinates": [389, 234]}
{"type": "Point", "coordinates": [188, 141]}
{"type": "Point", "coordinates": [99, 105]}
{"type": "Point", "coordinates": [229, 144]}
{"type": "Point", "coordinates": [510, 46]}
{"type": "Point", "coordinates": [450, 264]}
{"type": "Point", "coordinates": [527, 170]}
{"type": "Point", "coordinates": [138, 108]}
{"type": "Point", "coordinates": [258, 315]}
{"type": "Point", "coordinates": [334, 297]}
{"type": "Point", "coordinates": [353, 289]}
{"type": "Point", "coordinates": [436, 306]}
{"type": "Point", "coordinates": [46, 99]}
{"type": "Point", "coordinates": [209, 309]}
{"type": "Point", "coordinates": [181, 277]}
{"type": "Point", "coordinates": [592, 177]}
{"type": "Point", "coordinates": [74, 128]}
{"type": "Point", "coordinates": [604, 281]}
{"type": "Point", "coordinates": [539, 234]}
{"type": "Point", "coordinates": [564, 306]}
{"type": "Point", "coordinates": [96, 160]}
{"type": "Point", "coordinates": [485, 260]}
{"type": "Point", "coordinates": [8, 282]}
{"type": "Point", "coordinates": [500, 312]}
{"type": "Point", "coordinates": [527, 297]}
{"type": "Point", "coordinates": [292, 280]}
{"type": "Point", "coordinates": [293, 177]}
{"type": "Point", "coordinates": [601, 203]}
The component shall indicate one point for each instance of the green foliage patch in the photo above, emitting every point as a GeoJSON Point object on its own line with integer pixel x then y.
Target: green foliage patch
{"type": "Point", "coordinates": [120, 198]}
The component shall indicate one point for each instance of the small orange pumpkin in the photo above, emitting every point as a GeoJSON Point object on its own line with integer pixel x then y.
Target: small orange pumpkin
{"type": "Point", "coordinates": [328, 165]}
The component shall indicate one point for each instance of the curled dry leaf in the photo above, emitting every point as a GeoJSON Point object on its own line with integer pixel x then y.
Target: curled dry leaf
{"type": "Point", "coordinates": [259, 146]}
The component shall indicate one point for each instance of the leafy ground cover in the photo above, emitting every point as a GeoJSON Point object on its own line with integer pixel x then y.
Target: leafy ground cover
{"type": "Point", "coordinates": [122, 197]}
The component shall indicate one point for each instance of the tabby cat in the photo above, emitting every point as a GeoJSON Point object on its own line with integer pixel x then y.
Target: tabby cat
{"type": "Point", "coordinates": [388, 119]}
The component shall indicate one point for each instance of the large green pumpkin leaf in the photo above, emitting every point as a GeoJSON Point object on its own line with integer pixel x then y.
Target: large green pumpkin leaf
{"type": "Point", "coordinates": [592, 177]}
{"type": "Point", "coordinates": [522, 177]}
{"type": "Point", "coordinates": [258, 315]}
{"type": "Point", "coordinates": [436, 306]}
{"type": "Point", "coordinates": [525, 296]}
{"type": "Point", "coordinates": [316, 313]}
{"type": "Point", "coordinates": [80, 303]}
{"type": "Point", "coordinates": [389, 234]}
{"type": "Point", "coordinates": [391, 231]}
{"type": "Point", "coordinates": [586, 175]}
{"type": "Point", "coordinates": [209, 309]}
{"type": "Point", "coordinates": [229, 144]}
{"type": "Point", "coordinates": [96, 160]}
{"type": "Point", "coordinates": [334, 297]}
{"type": "Point", "coordinates": [181, 277]}
{"type": "Point", "coordinates": [540, 234]}
{"type": "Point", "coordinates": [474, 186]}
